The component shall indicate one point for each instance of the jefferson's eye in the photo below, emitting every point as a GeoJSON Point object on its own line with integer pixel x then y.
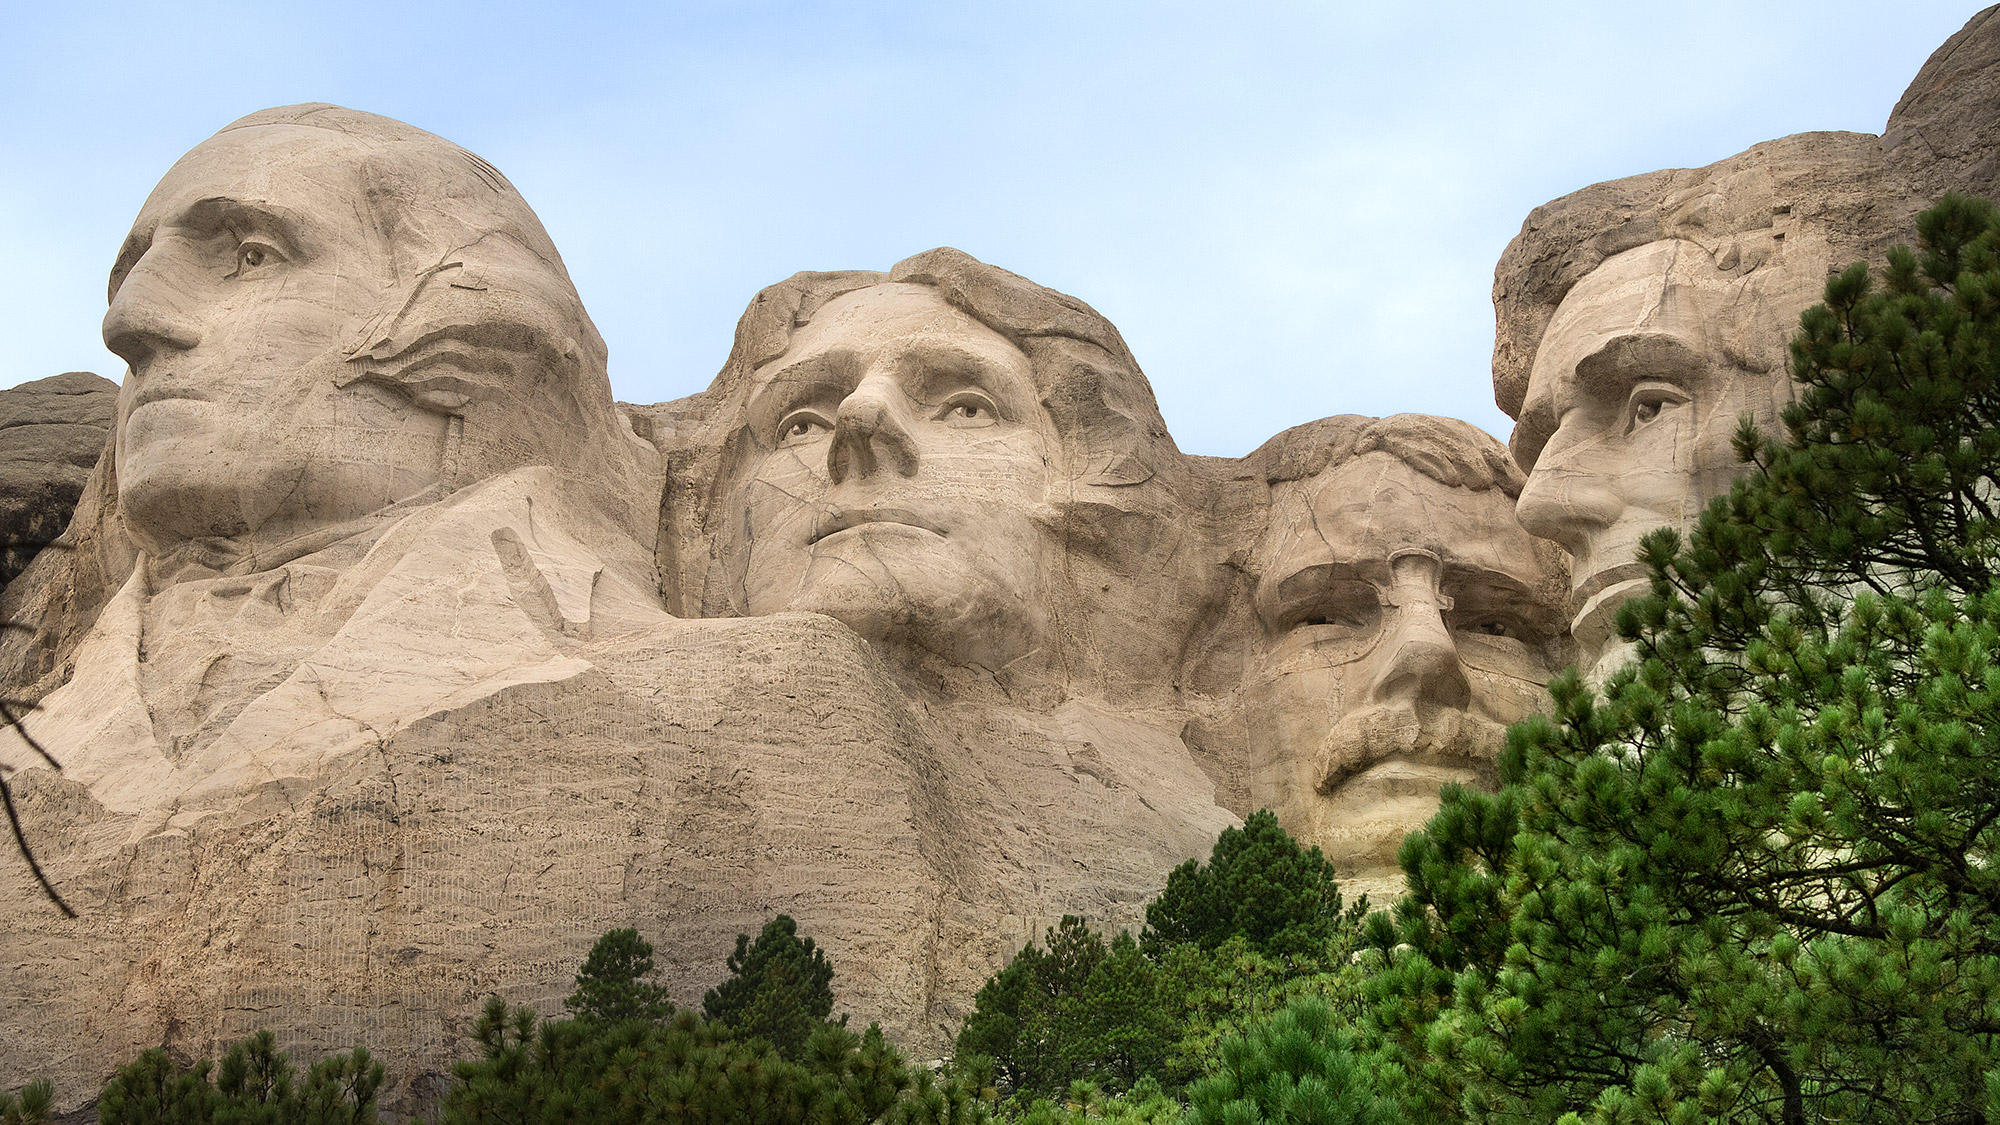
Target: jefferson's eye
{"type": "Point", "coordinates": [801, 426]}
{"type": "Point", "coordinates": [968, 411]}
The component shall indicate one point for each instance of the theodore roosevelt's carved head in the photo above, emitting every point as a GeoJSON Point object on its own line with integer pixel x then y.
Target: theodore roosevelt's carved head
{"type": "Point", "coordinates": [1407, 619]}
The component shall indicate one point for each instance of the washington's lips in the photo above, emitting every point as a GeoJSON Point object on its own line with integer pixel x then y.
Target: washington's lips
{"type": "Point", "coordinates": [835, 522]}
{"type": "Point", "coordinates": [158, 392]}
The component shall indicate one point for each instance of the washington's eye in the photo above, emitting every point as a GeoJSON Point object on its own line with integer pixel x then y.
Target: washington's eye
{"type": "Point", "coordinates": [968, 411]}
{"type": "Point", "coordinates": [804, 425]}
{"type": "Point", "coordinates": [252, 256]}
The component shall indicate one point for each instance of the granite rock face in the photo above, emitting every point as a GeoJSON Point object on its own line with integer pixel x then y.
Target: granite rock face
{"type": "Point", "coordinates": [390, 662]}
{"type": "Point", "coordinates": [51, 432]}
{"type": "Point", "coordinates": [1637, 320]}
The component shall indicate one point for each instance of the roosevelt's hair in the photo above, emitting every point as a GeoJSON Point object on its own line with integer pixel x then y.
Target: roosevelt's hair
{"type": "Point", "coordinates": [1453, 453]}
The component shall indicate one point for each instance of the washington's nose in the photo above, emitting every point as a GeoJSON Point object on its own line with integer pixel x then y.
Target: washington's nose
{"type": "Point", "coordinates": [150, 314]}
{"type": "Point", "coordinates": [869, 434]}
{"type": "Point", "coordinates": [1565, 500]}
{"type": "Point", "coordinates": [1417, 661]}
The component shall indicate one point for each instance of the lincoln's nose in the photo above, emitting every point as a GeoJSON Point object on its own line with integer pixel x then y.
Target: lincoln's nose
{"type": "Point", "coordinates": [869, 433]}
{"type": "Point", "coordinates": [1566, 500]}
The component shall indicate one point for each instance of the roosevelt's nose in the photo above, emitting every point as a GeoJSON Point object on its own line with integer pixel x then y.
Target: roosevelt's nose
{"type": "Point", "coordinates": [152, 312]}
{"type": "Point", "coordinates": [1416, 660]}
{"type": "Point", "coordinates": [871, 432]}
{"type": "Point", "coordinates": [1567, 498]}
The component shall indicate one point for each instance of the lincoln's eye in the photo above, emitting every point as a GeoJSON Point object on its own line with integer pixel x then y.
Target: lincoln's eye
{"type": "Point", "coordinates": [1646, 411]}
{"type": "Point", "coordinates": [967, 410]}
{"type": "Point", "coordinates": [253, 256]}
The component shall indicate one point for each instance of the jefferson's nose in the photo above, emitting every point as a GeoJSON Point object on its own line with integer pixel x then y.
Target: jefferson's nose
{"type": "Point", "coordinates": [1568, 498]}
{"type": "Point", "coordinates": [1416, 660]}
{"type": "Point", "coordinates": [870, 434]}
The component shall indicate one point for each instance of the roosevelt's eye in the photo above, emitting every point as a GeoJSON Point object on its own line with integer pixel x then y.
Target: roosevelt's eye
{"type": "Point", "coordinates": [968, 411]}
{"type": "Point", "coordinates": [1650, 400]}
{"type": "Point", "coordinates": [802, 425]}
{"type": "Point", "coordinates": [253, 256]}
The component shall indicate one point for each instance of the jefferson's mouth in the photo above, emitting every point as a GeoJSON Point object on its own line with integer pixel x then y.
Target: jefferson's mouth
{"type": "Point", "coordinates": [835, 522]}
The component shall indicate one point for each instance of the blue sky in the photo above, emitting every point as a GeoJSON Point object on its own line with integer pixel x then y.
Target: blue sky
{"type": "Point", "coordinates": [1290, 210]}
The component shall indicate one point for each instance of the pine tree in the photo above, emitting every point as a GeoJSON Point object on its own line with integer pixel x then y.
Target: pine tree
{"type": "Point", "coordinates": [1296, 1066]}
{"type": "Point", "coordinates": [1753, 881]}
{"type": "Point", "coordinates": [31, 1105]}
{"type": "Point", "coordinates": [1259, 884]}
{"type": "Point", "coordinates": [609, 986]}
{"type": "Point", "coordinates": [780, 988]}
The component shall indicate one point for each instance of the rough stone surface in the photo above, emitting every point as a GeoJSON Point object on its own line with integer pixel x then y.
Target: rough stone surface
{"type": "Point", "coordinates": [1943, 135]}
{"type": "Point", "coordinates": [1637, 320]}
{"type": "Point", "coordinates": [51, 432]}
{"type": "Point", "coordinates": [390, 661]}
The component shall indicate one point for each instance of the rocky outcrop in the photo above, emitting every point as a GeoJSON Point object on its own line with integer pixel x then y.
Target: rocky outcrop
{"type": "Point", "coordinates": [51, 432]}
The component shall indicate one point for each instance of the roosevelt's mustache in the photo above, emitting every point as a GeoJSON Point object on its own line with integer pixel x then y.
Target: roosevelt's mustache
{"type": "Point", "coordinates": [1370, 735]}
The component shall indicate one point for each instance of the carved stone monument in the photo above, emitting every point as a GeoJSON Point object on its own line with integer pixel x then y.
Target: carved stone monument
{"type": "Point", "coordinates": [390, 662]}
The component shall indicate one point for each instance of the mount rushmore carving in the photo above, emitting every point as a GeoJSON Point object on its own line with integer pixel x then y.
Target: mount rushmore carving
{"type": "Point", "coordinates": [390, 661]}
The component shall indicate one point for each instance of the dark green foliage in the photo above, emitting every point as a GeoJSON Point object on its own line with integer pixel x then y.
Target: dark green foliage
{"type": "Point", "coordinates": [30, 1106]}
{"type": "Point", "coordinates": [687, 1070]}
{"type": "Point", "coordinates": [255, 1085]}
{"type": "Point", "coordinates": [1296, 1067]}
{"type": "Point", "coordinates": [780, 988]}
{"type": "Point", "coordinates": [1229, 943]}
{"type": "Point", "coordinates": [1752, 879]}
{"type": "Point", "coordinates": [609, 987]}
{"type": "Point", "coordinates": [1258, 884]}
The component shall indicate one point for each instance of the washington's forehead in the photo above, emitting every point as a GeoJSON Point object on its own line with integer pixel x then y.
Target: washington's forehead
{"type": "Point", "coordinates": [280, 164]}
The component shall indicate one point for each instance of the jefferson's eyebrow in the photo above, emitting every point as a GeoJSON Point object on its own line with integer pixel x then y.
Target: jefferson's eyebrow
{"type": "Point", "coordinates": [930, 362]}
{"type": "Point", "coordinates": [780, 386]}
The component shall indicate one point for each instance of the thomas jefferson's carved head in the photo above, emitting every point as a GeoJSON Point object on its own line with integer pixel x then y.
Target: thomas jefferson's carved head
{"type": "Point", "coordinates": [954, 461]}
{"type": "Point", "coordinates": [326, 313]}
